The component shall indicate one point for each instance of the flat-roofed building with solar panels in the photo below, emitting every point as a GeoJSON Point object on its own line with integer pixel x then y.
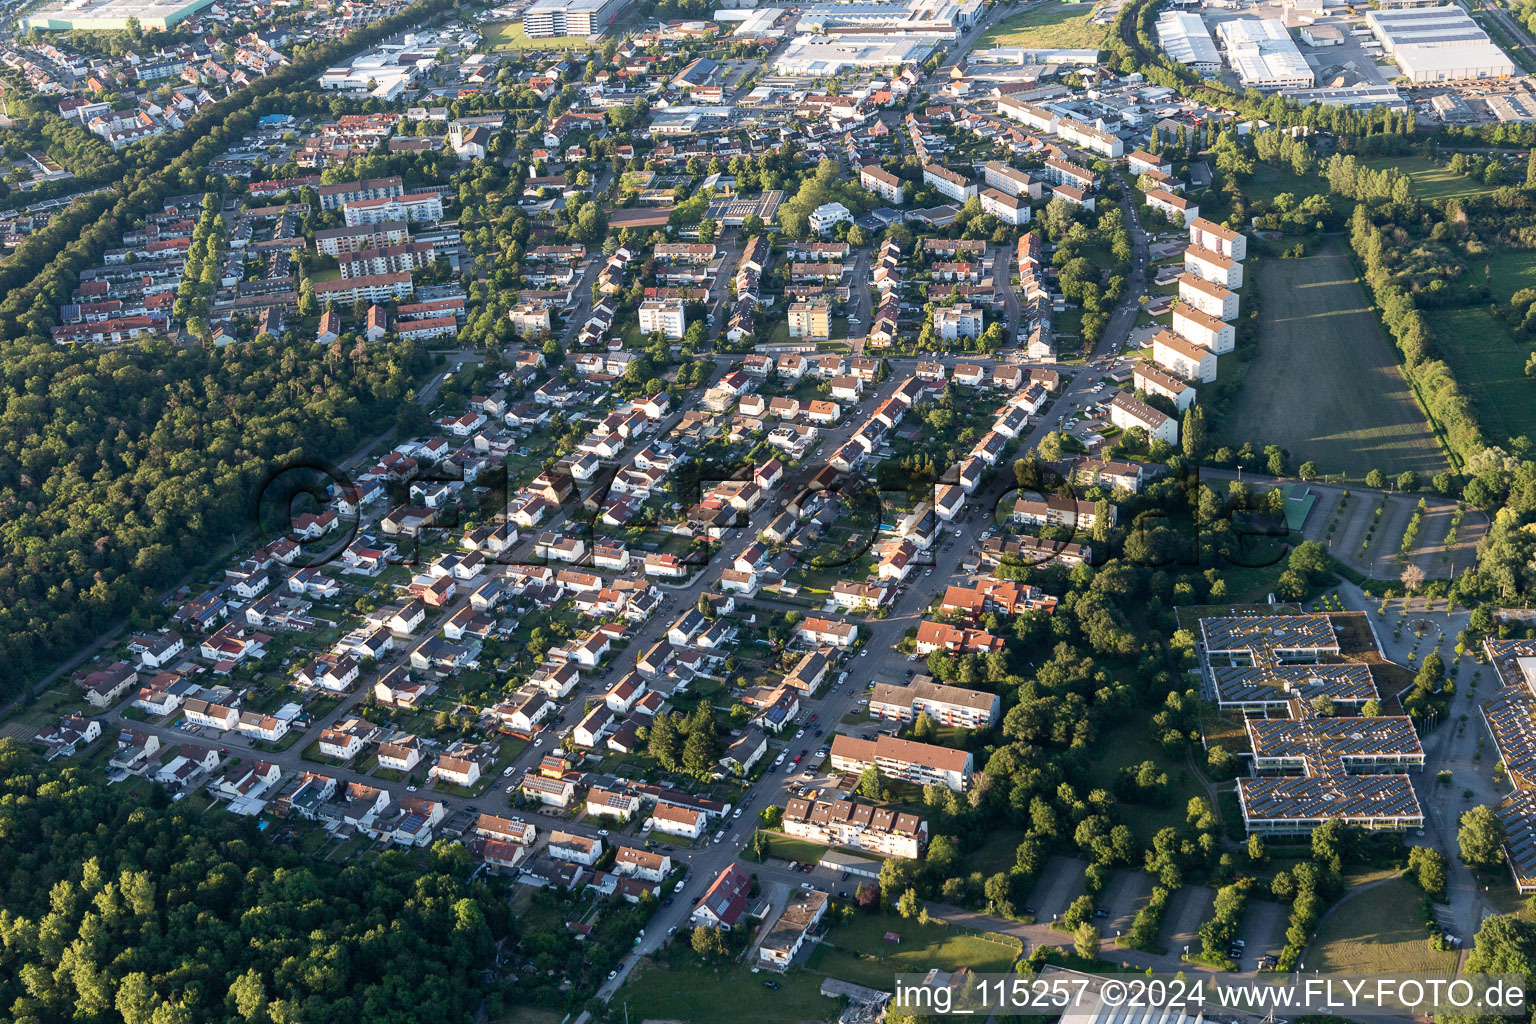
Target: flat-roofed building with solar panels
{"type": "Point", "coordinates": [1510, 718]}
{"type": "Point", "coordinates": [1268, 686]}
{"type": "Point", "coordinates": [1297, 804]}
{"type": "Point", "coordinates": [1335, 768]}
{"type": "Point", "coordinates": [1319, 745]}
{"type": "Point", "coordinates": [1289, 638]}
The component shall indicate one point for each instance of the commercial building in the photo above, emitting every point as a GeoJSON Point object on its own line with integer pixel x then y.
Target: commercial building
{"type": "Point", "coordinates": [789, 933]}
{"type": "Point", "coordinates": [1344, 765]}
{"type": "Point", "coordinates": [1510, 718]}
{"type": "Point", "coordinates": [814, 56]}
{"type": "Point", "coordinates": [858, 826]}
{"type": "Point", "coordinates": [1185, 39]}
{"type": "Point", "coordinates": [545, 18]}
{"type": "Point", "coordinates": [110, 15]}
{"type": "Point", "coordinates": [1438, 44]}
{"type": "Point", "coordinates": [907, 760]}
{"type": "Point", "coordinates": [1264, 55]}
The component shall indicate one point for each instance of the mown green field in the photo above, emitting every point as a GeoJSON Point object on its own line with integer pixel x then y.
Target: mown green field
{"type": "Point", "coordinates": [1050, 26]}
{"type": "Point", "coordinates": [502, 36]}
{"type": "Point", "coordinates": [1485, 356]}
{"type": "Point", "coordinates": [1430, 180]}
{"type": "Point", "coordinates": [1326, 385]}
{"type": "Point", "coordinates": [1378, 931]}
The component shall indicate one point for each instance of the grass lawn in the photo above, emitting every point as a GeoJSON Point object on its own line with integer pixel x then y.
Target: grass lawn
{"type": "Point", "coordinates": [1131, 744]}
{"type": "Point", "coordinates": [1487, 361]}
{"type": "Point", "coordinates": [1378, 931]}
{"type": "Point", "coordinates": [790, 848]}
{"type": "Point", "coordinates": [655, 992]}
{"type": "Point", "coordinates": [1430, 180]}
{"type": "Point", "coordinates": [860, 953]}
{"type": "Point", "coordinates": [508, 35]}
{"type": "Point", "coordinates": [1052, 26]}
{"type": "Point", "coordinates": [999, 853]}
{"type": "Point", "coordinates": [1326, 384]}
{"type": "Point", "coordinates": [532, 1015]}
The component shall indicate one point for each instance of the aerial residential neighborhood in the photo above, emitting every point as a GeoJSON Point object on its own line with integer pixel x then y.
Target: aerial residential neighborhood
{"type": "Point", "coordinates": [585, 510]}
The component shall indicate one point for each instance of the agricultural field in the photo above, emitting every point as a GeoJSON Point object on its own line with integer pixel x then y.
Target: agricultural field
{"type": "Point", "coordinates": [1050, 26]}
{"type": "Point", "coordinates": [502, 36]}
{"type": "Point", "coordinates": [1485, 357]}
{"type": "Point", "coordinates": [1326, 385]}
{"type": "Point", "coordinates": [1378, 931]}
{"type": "Point", "coordinates": [1431, 180]}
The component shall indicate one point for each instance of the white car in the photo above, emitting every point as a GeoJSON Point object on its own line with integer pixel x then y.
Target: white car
{"type": "Point", "coordinates": [779, 760]}
{"type": "Point", "coordinates": [799, 734]}
{"type": "Point", "coordinates": [736, 813]}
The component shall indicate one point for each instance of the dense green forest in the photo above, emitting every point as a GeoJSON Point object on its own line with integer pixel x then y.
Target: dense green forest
{"type": "Point", "coordinates": [120, 470]}
{"type": "Point", "coordinates": [115, 910]}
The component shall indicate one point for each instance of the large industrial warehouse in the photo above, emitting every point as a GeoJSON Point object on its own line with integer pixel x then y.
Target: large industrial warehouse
{"type": "Point", "coordinates": [1264, 55]}
{"type": "Point", "coordinates": [1438, 44]}
{"type": "Point", "coordinates": [1184, 37]}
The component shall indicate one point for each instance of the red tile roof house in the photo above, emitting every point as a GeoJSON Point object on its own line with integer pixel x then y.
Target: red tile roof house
{"type": "Point", "coordinates": [725, 901]}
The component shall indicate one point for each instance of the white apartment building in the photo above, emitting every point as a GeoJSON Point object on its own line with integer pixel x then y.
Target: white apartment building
{"type": "Point", "coordinates": [1150, 380]}
{"type": "Point", "coordinates": [1202, 329]}
{"type": "Point", "coordinates": [856, 826]}
{"type": "Point", "coordinates": [908, 760]}
{"type": "Point", "coordinates": [946, 705]}
{"type": "Point", "coordinates": [1213, 267]}
{"type": "Point", "coordinates": [665, 316]}
{"type": "Point", "coordinates": [882, 183]}
{"type": "Point", "coordinates": [1219, 239]}
{"type": "Point", "coordinates": [948, 183]}
{"type": "Point", "coordinates": [423, 208]}
{"type": "Point", "coordinates": [1011, 180]}
{"type": "Point", "coordinates": [1175, 207]}
{"type": "Point", "coordinates": [1126, 412]}
{"type": "Point", "coordinates": [1208, 297]}
{"type": "Point", "coordinates": [1183, 357]}
{"type": "Point", "coordinates": [952, 323]}
{"type": "Point", "coordinates": [1006, 208]}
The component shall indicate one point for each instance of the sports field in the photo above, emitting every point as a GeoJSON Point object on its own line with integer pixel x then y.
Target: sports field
{"type": "Point", "coordinates": [1485, 357]}
{"type": "Point", "coordinates": [1326, 385]}
{"type": "Point", "coordinates": [502, 36]}
{"type": "Point", "coordinates": [1049, 26]}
